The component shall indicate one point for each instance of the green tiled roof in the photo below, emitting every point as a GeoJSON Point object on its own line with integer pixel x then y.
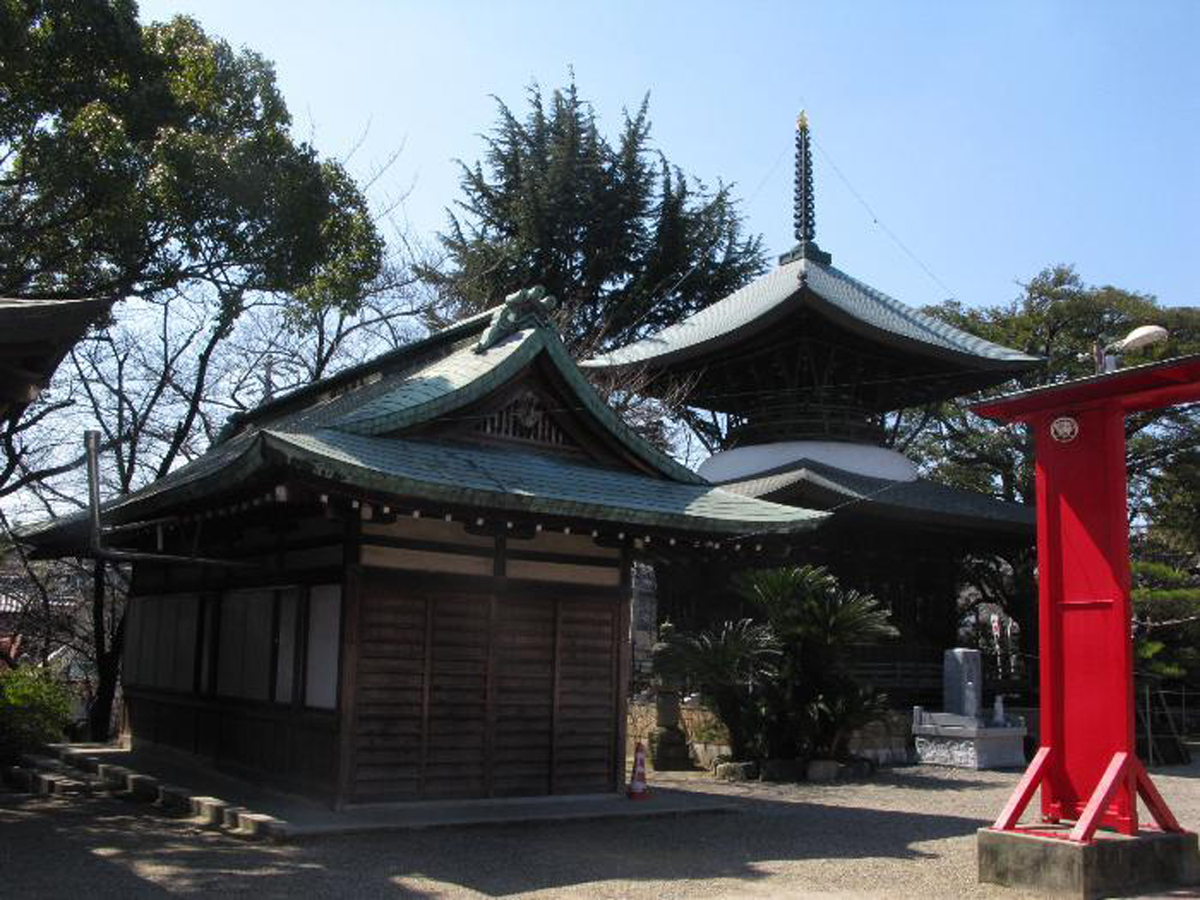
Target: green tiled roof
{"type": "Point", "coordinates": [423, 393]}
{"type": "Point", "coordinates": [399, 360]}
{"type": "Point", "coordinates": [464, 376]}
{"type": "Point", "coordinates": [827, 486]}
{"type": "Point", "coordinates": [767, 300]}
{"type": "Point", "coordinates": [356, 431]}
{"type": "Point", "coordinates": [498, 478]}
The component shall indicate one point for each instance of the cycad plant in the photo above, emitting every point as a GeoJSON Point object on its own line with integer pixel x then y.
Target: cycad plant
{"type": "Point", "coordinates": [782, 686]}
{"type": "Point", "coordinates": [730, 666]}
{"type": "Point", "coordinates": [813, 703]}
{"type": "Point", "coordinates": [814, 618]}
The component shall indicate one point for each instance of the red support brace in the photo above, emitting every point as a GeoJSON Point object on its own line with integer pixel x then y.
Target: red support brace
{"type": "Point", "coordinates": [1154, 801]}
{"type": "Point", "coordinates": [1115, 775]}
{"type": "Point", "coordinates": [1024, 793]}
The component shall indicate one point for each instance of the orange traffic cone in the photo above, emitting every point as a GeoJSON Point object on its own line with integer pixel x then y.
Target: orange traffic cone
{"type": "Point", "coordinates": [637, 784]}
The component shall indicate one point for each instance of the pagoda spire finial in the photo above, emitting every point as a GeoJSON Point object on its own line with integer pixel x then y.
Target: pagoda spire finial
{"type": "Point", "coordinates": [804, 214]}
{"type": "Point", "coordinates": [804, 217]}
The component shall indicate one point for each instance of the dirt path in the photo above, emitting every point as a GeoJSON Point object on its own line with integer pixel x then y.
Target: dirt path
{"type": "Point", "coordinates": [906, 833]}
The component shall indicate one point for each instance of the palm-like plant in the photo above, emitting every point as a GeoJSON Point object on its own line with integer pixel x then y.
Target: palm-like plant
{"type": "Point", "coordinates": [805, 605]}
{"type": "Point", "coordinates": [729, 665]}
{"type": "Point", "coordinates": [817, 624]}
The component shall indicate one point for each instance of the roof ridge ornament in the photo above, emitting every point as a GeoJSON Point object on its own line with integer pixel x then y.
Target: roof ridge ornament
{"type": "Point", "coordinates": [804, 208]}
{"type": "Point", "coordinates": [529, 308]}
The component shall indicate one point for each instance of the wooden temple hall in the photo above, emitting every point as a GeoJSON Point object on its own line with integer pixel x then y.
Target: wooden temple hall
{"type": "Point", "coordinates": [410, 580]}
{"type": "Point", "coordinates": [789, 380]}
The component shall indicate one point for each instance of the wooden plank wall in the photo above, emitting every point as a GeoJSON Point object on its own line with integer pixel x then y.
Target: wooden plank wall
{"type": "Point", "coordinates": [391, 678]}
{"type": "Point", "coordinates": [477, 686]}
{"type": "Point", "coordinates": [524, 674]}
{"type": "Point", "coordinates": [585, 724]}
{"type": "Point", "coordinates": [473, 665]}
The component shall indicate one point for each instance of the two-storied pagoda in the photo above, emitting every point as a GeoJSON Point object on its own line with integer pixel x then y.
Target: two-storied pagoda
{"type": "Point", "coordinates": [796, 371]}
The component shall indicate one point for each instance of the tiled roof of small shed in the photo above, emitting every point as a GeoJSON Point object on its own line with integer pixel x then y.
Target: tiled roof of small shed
{"type": "Point", "coordinates": [520, 480]}
{"type": "Point", "coordinates": [351, 436]}
{"type": "Point", "coordinates": [766, 299]}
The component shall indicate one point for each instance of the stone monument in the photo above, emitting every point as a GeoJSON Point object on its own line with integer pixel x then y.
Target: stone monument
{"type": "Point", "coordinates": [958, 736]}
{"type": "Point", "coordinates": [667, 743]}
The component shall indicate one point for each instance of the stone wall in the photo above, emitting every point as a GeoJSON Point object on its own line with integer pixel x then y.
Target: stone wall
{"type": "Point", "coordinates": [887, 742]}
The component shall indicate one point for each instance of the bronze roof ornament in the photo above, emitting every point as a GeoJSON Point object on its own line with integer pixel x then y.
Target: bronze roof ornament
{"type": "Point", "coordinates": [522, 309]}
{"type": "Point", "coordinates": [804, 214]}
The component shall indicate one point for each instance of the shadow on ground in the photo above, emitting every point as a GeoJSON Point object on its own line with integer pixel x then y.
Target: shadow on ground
{"type": "Point", "coordinates": [928, 778]}
{"type": "Point", "coordinates": [101, 847]}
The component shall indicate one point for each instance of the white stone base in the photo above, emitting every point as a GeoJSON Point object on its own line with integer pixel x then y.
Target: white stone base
{"type": "Point", "coordinates": [970, 748]}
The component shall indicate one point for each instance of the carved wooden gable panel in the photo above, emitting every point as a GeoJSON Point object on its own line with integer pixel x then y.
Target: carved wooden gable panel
{"type": "Point", "coordinates": [533, 413]}
{"type": "Point", "coordinates": [525, 418]}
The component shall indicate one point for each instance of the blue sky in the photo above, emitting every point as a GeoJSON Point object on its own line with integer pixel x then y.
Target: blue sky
{"type": "Point", "coordinates": [992, 139]}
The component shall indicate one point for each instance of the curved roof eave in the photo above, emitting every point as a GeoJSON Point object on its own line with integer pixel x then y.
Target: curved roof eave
{"type": "Point", "coordinates": [854, 305]}
{"type": "Point", "coordinates": [907, 498]}
{"type": "Point", "coordinates": [479, 374]}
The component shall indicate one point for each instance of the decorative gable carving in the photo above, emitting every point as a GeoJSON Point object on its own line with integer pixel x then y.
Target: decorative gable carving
{"type": "Point", "coordinates": [526, 419]}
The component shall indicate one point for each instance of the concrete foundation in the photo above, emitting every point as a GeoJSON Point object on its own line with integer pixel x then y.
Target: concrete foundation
{"type": "Point", "coordinates": [1112, 864]}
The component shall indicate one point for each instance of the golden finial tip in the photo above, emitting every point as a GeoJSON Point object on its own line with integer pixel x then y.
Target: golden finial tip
{"type": "Point", "coordinates": [802, 121]}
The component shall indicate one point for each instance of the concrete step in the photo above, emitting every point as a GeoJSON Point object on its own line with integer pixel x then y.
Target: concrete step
{"type": "Point", "coordinates": [72, 770]}
{"type": "Point", "coordinates": [209, 811]}
{"type": "Point", "coordinates": [113, 776]}
{"type": "Point", "coordinates": [62, 785]}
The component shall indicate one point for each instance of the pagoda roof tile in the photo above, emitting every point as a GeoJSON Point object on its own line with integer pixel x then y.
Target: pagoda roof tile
{"type": "Point", "coordinates": [922, 498]}
{"type": "Point", "coordinates": [761, 304]}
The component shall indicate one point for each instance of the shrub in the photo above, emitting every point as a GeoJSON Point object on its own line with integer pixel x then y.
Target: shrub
{"type": "Point", "coordinates": [729, 665]}
{"type": "Point", "coordinates": [783, 688]}
{"type": "Point", "coordinates": [813, 704]}
{"type": "Point", "coordinates": [34, 709]}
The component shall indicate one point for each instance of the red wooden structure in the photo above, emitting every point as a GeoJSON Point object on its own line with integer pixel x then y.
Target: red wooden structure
{"type": "Point", "coordinates": [1087, 765]}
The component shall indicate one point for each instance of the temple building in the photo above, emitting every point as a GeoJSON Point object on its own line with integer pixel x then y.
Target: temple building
{"type": "Point", "coordinates": [410, 580]}
{"type": "Point", "coordinates": [35, 335]}
{"type": "Point", "coordinates": [790, 378]}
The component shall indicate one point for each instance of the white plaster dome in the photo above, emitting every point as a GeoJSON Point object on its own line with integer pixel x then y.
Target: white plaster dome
{"type": "Point", "coordinates": [862, 459]}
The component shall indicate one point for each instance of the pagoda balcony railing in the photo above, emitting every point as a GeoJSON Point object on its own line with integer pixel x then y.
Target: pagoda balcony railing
{"type": "Point", "coordinates": [785, 422]}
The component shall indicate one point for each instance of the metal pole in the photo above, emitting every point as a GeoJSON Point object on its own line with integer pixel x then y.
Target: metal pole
{"type": "Point", "coordinates": [1149, 728]}
{"type": "Point", "coordinates": [91, 443]}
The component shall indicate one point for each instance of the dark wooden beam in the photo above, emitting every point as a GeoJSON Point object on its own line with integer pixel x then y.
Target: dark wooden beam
{"type": "Point", "coordinates": [348, 663]}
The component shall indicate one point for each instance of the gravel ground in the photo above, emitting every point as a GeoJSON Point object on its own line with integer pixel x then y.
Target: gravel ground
{"type": "Point", "coordinates": [905, 833]}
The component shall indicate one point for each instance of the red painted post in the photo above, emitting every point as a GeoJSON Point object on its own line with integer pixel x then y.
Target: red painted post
{"type": "Point", "coordinates": [1087, 711]}
{"type": "Point", "coordinates": [1087, 765]}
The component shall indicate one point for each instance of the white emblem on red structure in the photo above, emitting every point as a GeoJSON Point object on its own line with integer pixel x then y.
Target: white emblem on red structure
{"type": "Point", "coordinates": [1064, 429]}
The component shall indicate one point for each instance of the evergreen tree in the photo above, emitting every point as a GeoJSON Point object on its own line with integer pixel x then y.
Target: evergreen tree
{"type": "Point", "coordinates": [1166, 610]}
{"type": "Point", "coordinates": [1060, 318]}
{"type": "Point", "coordinates": [622, 237]}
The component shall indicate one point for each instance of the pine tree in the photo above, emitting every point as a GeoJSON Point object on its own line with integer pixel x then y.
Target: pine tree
{"type": "Point", "coordinates": [623, 238]}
